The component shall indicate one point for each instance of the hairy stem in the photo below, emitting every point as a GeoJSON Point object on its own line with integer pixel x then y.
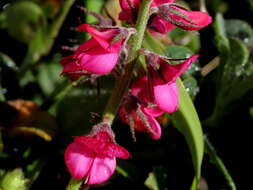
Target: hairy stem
{"type": "Point", "coordinates": [123, 82]}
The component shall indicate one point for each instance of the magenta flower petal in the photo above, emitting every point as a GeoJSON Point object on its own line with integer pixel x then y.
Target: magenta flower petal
{"type": "Point", "coordinates": [102, 37]}
{"type": "Point", "coordinates": [101, 170]}
{"type": "Point", "coordinates": [78, 160]}
{"type": "Point", "coordinates": [125, 5]}
{"type": "Point", "coordinates": [104, 147]}
{"type": "Point", "coordinates": [140, 89]}
{"type": "Point", "coordinates": [171, 72]}
{"type": "Point", "coordinates": [89, 61]}
{"type": "Point", "coordinates": [160, 25]}
{"type": "Point", "coordinates": [156, 128]}
{"type": "Point", "coordinates": [166, 97]}
{"type": "Point", "coordinates": [159, 2]}
{"type": "Point", "coordinates": [194, 20]}
{"type": "Point", "coordinates": [154, 111]}
{"type": "Point", "coordinates": [94, 157]}
{"type": "Point", "coordinates": [129, 12]}
{"type": "Point", "coordinates": [96, 56]}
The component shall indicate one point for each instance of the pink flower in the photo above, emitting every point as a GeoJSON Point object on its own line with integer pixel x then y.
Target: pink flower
{"type": "Point", "coordinates": [139, 118]}
{"type": "Point", "coordinates": [166, 17]}
{"type": "Point", "coordinates": [163, 81]}
{"type": "Point", "coordinates": [153, 95]}
{"type": "Point", "coordinates": [94, 157]}
{"type": "Point", "coordinates": [98, 55]}
{"type": "Point", "coordinates": [183, 18]}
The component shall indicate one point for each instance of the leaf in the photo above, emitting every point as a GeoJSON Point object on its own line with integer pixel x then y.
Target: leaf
{"type": "Point", "coordinates": [74, 184]}
{"type": "Point", "coordinates": [14, 180]}
{"type": "Point", "coordinates": [185, 38]}
{"type": "Point", "coordinates": [156, 179]}
{"type": "Point", "coordinates": [191, 86]}
{"type": "Point", "coordinates": [239, 29]}
{"type": "Point", "coordinates": [187, 122]}
{"type": "Point", "coordinates": [95, 6]}
{"type": "Point", "coordinates": [151, 182]}
{"type": "Point", "coordinates": [23, 19]}
{"type": "Point", "coordinates": [49, 76]}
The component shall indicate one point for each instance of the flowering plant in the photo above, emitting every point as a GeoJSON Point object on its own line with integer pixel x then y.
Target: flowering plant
{"type": "Point", "coordinates": [124, 94]}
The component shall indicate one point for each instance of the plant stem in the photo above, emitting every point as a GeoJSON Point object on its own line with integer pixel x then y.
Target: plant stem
{"type": "Point", "coordinates": [123, 82]}
{"type": "Point", "coordinates": [218, 163]}
{"type": "Point", "coordinates": [60, 92]}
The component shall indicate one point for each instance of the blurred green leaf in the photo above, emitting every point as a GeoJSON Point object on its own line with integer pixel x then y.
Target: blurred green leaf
{"type": "Point", "coordinates": [191, 86]}
{"type": "Point", "coordinates": [95, 6]}
{"type": "Point", "coordinates": [186, 38]}
{"type": "Point", "coordinates": [74, 184]}
{"type": "Point", "coordinates": [156, 179]}
{"type": "Point", "coordinates": [239, 29]}
{"type": "Point", "coordinates": [14, 180]}
{"type": "Point", "coordinates": [23, 20]}
{"type": "Point", "coordinates": [251, 112]}
{"type": "Point", "coordinates": [8, 69]}
{"type": "Point", "coordinates": [44, 39]}
{"type": "Point", "coordinates": [49, 76]}
{"type": "Point", "coordinates": [151, 182]}
{"type": "Point", "coordinates": [234, 71]}
{"type": "Point", "coordinates": [187, 122]}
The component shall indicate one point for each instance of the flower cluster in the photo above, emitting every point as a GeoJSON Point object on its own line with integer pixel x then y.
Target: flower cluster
{"type": "Point", "coordinates": [93, 157]}
{"type": "Point", "coordinates": [166, 15]}
{"type": "Point", "coordinates": [153, 95]}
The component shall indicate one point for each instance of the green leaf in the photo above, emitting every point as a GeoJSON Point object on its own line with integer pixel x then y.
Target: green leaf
{"type": "Point", "coordinates": [14, 180]}
{"type": "Point", "coordinates": [156, 179]}
{"type": "Point", "coordinates": [151, 182]}
{"type": "Point", "coordinates": [187, 122]}
{"type": "Point", "coordinates": [239, 29]}
{"type": "Point", "coordinates": [23, 19]}
{"type": "Point", "coordinates": [95, 6]}
{"type": "Point", "coordinates": [185, 38]}
{"type": "Point", "coordinates": [74, 184]}
{"type": "Point", "coordinates": [49, 76]}
{"type": "Point", "coordinates": [191, 86]}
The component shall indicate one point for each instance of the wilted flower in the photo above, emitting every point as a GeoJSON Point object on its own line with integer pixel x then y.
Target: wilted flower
{"type": "Point", "coordinates": [99, 55]}
{"type": "Point", "coordinates": [94, 156]}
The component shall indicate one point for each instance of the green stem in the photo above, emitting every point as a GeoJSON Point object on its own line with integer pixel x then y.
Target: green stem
{"type": "Point", "coordinates": [218, 163]}
{"type": "Point", "coordinates": [60, 92]}
{"type": "Point", "coordinates": [123, 82]}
